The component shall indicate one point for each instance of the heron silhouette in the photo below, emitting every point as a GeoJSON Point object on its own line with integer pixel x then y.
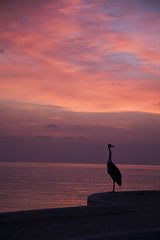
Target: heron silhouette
{"type": "Point", "coordinates": [113, 170]}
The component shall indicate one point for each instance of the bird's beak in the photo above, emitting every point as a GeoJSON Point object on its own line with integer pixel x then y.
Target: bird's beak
{"type": "Point", "coordinates": [112, 146]}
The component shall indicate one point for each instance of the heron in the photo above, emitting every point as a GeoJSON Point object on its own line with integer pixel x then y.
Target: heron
{"type": "Point", "coordinates": [113, 170]}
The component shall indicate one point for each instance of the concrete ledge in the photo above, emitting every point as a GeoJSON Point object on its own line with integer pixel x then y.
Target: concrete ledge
{"type": "Point", "coordinates": [117, 198]}
{"type": "Point", "coordinates": [149, 234]}
{"type": "Point", "coordinates": [51, 214]}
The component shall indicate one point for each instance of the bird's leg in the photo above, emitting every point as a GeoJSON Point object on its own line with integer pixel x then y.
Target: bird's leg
{"type": "Point", "coordinates": [113, 186]}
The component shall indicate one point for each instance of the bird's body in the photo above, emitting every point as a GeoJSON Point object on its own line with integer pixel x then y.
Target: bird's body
{"type": "Point", "coordinates": [113, 170]}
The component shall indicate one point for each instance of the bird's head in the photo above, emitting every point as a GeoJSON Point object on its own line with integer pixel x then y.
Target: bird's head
{"type": "Point", "coordinates": [110, 146]}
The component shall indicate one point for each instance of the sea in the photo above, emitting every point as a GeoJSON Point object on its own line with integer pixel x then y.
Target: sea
{"type": "Point", "coordinates": [26, 186]}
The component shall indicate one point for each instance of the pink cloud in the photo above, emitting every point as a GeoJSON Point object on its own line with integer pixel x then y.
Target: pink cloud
{"type": "Point", "coordinates": [55, 56]}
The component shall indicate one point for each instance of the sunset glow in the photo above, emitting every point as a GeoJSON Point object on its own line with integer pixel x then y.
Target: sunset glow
{"type": "Point", "coordinates": [80, 70]}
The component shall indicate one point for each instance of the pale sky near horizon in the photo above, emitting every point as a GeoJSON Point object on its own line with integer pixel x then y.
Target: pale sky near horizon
{"type": "Point", "coordinates": [76, 75]}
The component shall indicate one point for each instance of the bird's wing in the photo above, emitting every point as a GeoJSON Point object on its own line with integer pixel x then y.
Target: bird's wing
{"type": "Point", "coordinates": [114, 172]}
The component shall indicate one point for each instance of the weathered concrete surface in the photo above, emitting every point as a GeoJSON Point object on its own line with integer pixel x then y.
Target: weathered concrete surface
{"type": "Point", "coordinates": [127, 215]}
{"type": "Point", "coordinates": [120, 198]}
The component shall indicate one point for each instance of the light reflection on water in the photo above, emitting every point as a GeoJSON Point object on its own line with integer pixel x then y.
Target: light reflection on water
{"type": "Point", "coordinates": [25, 186]}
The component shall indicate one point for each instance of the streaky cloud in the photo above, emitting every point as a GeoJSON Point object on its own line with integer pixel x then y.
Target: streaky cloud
{"type": "Point", "coordinates": [43, 137]}
{"type": "Point", "coordinates": [52, 126]}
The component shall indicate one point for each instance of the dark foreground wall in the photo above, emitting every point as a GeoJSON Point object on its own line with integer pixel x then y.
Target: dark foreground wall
{"type": "Point", "coordinates": [124, 215]}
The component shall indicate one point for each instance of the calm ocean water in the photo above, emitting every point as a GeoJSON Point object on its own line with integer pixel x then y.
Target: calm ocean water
{"type": "Point", "coordinates": [25, 186]}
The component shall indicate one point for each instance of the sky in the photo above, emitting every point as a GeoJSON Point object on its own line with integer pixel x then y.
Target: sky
{"type": "Point", "coordinates": [76, 75]}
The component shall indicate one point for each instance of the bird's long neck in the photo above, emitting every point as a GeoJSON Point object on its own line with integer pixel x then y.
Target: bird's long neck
{"type": "Point", "coordinates": [110, 156]}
